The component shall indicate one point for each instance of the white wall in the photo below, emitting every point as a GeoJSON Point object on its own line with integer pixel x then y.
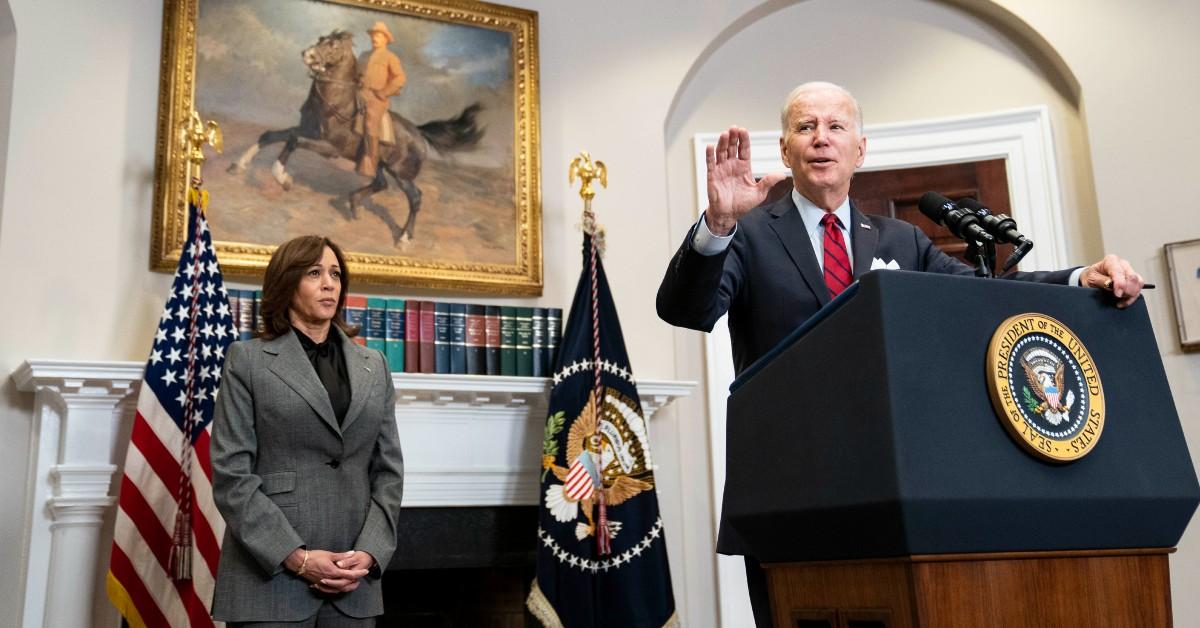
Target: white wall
{"type": "Point", "coordinates": [617, 80]}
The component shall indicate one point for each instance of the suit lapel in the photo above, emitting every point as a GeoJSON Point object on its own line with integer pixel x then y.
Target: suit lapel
{"type": "Point", "coordinates": [863, 238]}
{"type": "Point", "coordinates": [790, 229]}
{"type": "Point", "coordinates": [360, 375]}
{"type": "Point", "coordinates": [292, 366]}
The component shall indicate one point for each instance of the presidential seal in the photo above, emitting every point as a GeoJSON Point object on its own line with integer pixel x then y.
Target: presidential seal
{"type": "Point", "coordinates": [1045, 387]}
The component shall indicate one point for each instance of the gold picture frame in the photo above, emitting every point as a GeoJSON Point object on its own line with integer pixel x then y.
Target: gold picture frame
{"type": "Point", "coordinates": [254, 66]}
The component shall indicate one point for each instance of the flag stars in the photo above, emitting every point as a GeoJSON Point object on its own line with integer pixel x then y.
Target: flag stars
{"type": "Point", "coordinates": [178, 334]}
{"type": "Point", "coordinates": [160, 335]}
{"type": "Point", "coordinates": [220, 331]}
{"type": "Point", "coordinates": [169, 377]}
{"type": "Point", "coordinates": [208, 310]}
{"type": "Point", "coordinates": [206, 353]}
{"type": "Point", "coordinates": [208, 330]}
{"type": "Point", "coordinates": [173, 356]}
{"type": "Point", "coordinates": [223, 308]}
{"type": "Point", "coordinates": [181, 313]}
{"type": "Point", "coordinates": [156, 357]}
{"type": "Point", "coordinates": [212, 267]}
{"type": "Point", "coordinates": [182, 398]}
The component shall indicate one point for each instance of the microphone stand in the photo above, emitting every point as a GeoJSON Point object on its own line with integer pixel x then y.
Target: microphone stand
{"type": "Point", "coordinates": [984, 256]}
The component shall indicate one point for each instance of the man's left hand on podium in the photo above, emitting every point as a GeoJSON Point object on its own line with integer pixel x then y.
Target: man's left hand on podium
{"type": "Point", "coordinates": [1116, 276]}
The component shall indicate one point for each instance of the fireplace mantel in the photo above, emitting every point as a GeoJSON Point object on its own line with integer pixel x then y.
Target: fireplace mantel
{"type": "Point", "coordinates": [468, 440]}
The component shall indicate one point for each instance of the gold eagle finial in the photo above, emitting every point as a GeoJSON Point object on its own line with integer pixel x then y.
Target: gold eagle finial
{"type": "Point", "coordinates": [587, 171]}
{"type": "Point", "coordinates": [194, 135]}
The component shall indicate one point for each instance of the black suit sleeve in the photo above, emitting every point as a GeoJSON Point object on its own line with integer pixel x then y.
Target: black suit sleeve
{"type": "Point", "coordinates": [698, 289]}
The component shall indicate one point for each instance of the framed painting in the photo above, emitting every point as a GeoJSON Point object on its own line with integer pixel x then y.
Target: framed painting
{"type": "Point", "coordinates": [405, 131]}
{"type": "Point", "coordinates": [1183, 267]}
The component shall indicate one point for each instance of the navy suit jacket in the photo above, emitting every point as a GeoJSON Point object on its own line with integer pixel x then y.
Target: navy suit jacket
{"type": "Point", "coordinates": [769, 281]}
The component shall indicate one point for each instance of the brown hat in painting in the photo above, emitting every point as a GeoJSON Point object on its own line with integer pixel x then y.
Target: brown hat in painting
{"type": "Point", "coordinates": [380, 27]}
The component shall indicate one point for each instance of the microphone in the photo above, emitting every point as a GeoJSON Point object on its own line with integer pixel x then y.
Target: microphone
{"type": "Point", "coordinates": [961, 223]}
{"type": "Point", "coordinates": [1001, 226]}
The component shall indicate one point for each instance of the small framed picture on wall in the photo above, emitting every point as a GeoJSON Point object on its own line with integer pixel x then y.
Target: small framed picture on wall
{"type": "Point", "coordinates": [1183, 266]}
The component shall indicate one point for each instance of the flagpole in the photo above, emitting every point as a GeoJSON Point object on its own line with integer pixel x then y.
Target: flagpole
{"type": "Point", "coordinates": [588, 170]}
{"type": "Point", "coordinates": [195, 134]}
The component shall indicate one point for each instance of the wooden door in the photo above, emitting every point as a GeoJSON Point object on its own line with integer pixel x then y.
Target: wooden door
{"type": "Point", "coordinates": [895, 193]}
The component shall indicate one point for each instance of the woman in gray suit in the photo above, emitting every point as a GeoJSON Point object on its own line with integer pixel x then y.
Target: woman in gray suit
{"type": "Point", "coordinates": [307, 469]}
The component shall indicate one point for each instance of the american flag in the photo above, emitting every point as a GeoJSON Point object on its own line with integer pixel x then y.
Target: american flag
{"type": "Point", "coordinates": [168, 532]}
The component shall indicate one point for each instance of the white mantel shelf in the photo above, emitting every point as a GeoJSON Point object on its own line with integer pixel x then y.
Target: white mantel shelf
{"type": "Point", "coordinates": [468, 440]}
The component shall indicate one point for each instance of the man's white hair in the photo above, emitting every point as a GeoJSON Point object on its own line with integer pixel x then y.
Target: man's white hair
{"type": "Point", "coordinates": [818, 86]}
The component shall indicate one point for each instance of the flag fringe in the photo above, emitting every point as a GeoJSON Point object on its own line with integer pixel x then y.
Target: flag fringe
{"type": "Point", "coordinates": [543, 610]}
{"type": "Point", "coordinates": [120, 599]}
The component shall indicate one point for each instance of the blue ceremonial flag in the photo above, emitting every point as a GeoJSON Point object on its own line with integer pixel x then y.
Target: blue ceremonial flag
{"type": "Point", "coordinates": [602, 555]}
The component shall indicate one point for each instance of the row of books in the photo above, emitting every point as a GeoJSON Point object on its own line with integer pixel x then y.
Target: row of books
{"type": "Point", "coordinates": [438, 337]}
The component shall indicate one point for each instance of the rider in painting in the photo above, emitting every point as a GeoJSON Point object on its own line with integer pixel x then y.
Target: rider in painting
{"type": "Point", "coordinates": [380, 77]}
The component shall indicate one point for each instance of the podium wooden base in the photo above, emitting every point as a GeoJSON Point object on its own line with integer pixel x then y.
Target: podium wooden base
{"type": "Point", "coordinates": [1097, 589]}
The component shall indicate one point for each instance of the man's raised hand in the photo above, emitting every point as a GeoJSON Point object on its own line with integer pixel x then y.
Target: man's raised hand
{"type": "Point", "coordinates": [732, 190]}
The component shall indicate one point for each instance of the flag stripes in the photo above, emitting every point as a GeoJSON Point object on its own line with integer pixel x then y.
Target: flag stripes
{"type": "Point", "coordinates": [579, 482]}
{"type": "Point", "coordinates": [129, 595]}
{"type": "Point", "coordinates": [168, 469]}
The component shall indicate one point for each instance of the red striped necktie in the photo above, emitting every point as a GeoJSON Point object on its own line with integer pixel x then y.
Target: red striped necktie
{"type": "Point", "coordinates": [837, 262]}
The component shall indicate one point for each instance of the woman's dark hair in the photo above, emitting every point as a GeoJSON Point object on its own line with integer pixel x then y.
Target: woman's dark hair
{"type": "Point", "coordinates": [287, 266]}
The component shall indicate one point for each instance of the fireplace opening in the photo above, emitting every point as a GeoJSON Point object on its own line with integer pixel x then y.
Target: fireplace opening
{"type": "Point", "coordinates": [470, 566]}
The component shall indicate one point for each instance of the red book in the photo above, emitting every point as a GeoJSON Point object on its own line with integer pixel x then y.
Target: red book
{"type": "Point", "coordinates": [491, 332]}
{"type": "Point", "coordinates": [412, 336]}
{"type": "Point", "coordinates": [428, 335]}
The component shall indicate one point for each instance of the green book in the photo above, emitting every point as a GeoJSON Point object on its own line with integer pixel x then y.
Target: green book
{"type": "Point", "coordinates": [376, 325]}
{"type": "Point", "coordinates": [393, 335]}
{"type": "Point", "coordinates": [508, 340]}
{"type": "Point", "coordinates": [524, 352]}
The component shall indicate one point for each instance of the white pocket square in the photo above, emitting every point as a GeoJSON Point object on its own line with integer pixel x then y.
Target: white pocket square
{"type": "Point", "coordinates": [877, 263]}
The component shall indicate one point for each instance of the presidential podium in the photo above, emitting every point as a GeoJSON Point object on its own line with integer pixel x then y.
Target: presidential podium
{"type": "Point", "coordinates": [868, 471]}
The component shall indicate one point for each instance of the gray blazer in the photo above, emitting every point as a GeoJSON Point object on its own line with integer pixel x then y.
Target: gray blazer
{"type": "Point", "coordinates": [286, 475]}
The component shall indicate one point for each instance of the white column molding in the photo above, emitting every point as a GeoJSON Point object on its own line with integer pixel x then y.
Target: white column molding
{"type": "Point", "coordinates": [468, 440]}
{"type": "Point", "coordinates": [78, 409]}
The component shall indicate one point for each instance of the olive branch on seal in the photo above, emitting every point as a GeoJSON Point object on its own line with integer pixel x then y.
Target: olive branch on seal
{"type": "Point", "coordinates": [554, 425]}
{"type": "Point", "coordinates": [1030, 402]}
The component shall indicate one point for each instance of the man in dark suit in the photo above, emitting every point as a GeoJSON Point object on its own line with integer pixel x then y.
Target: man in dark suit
{"type": "Point", "coordinates": [772, 266]}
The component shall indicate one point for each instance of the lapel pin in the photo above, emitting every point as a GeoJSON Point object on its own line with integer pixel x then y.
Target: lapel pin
{"type": "Point", "coordinates": [864, 225]}
{"type": "Point", "coordinates": [368, 368]}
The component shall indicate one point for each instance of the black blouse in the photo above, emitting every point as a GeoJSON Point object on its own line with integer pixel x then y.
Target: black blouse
{"type": "Point", "coordinates": [327, 361]}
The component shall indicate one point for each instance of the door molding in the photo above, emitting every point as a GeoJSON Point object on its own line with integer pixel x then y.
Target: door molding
{"type": "Point", "coordinates": [1022, 137]}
